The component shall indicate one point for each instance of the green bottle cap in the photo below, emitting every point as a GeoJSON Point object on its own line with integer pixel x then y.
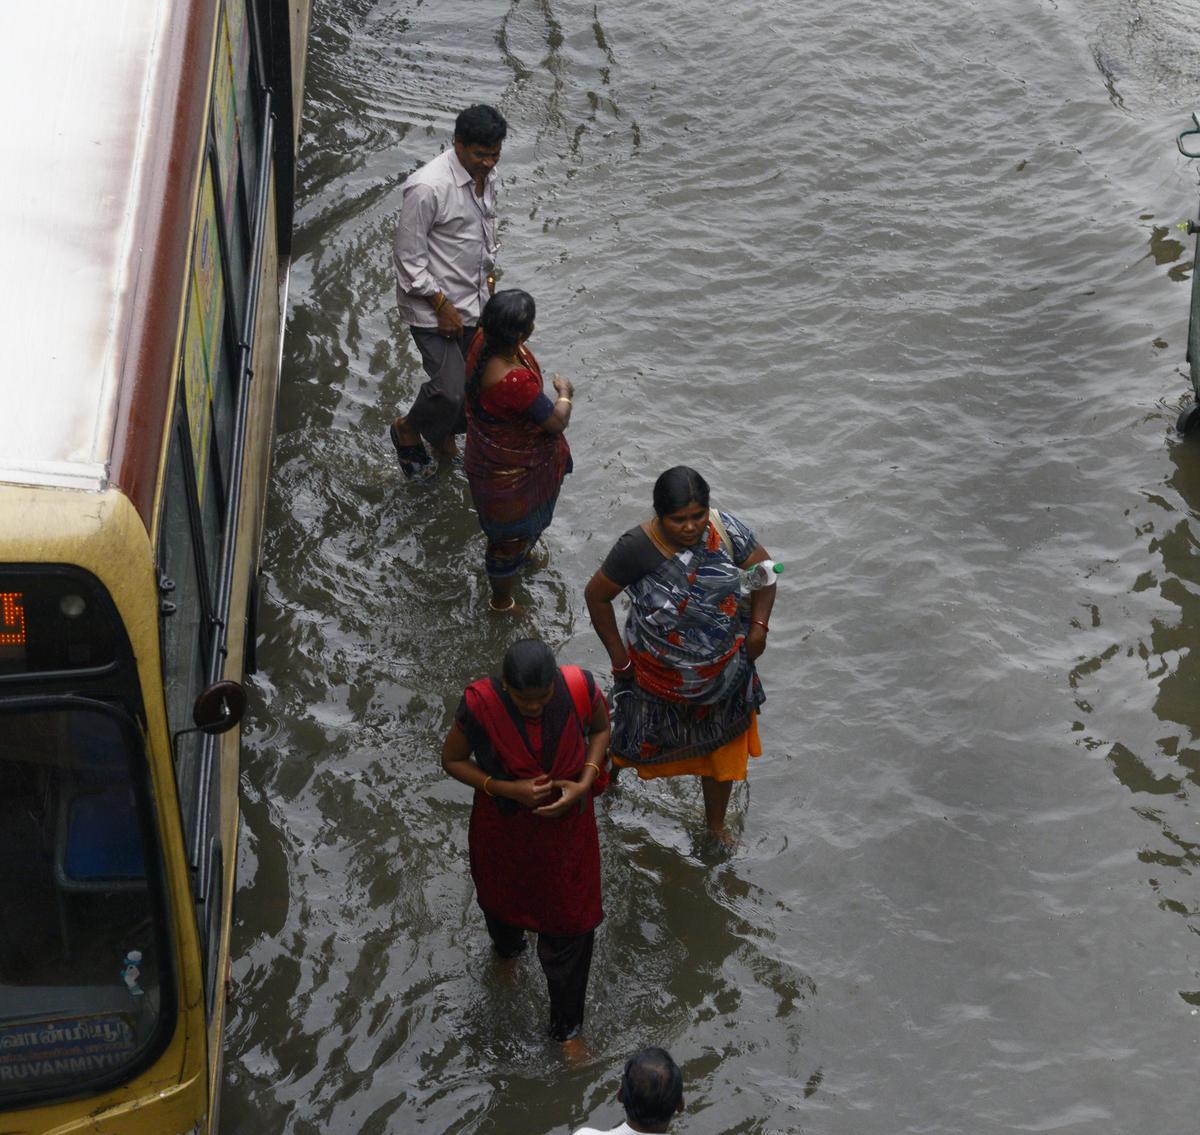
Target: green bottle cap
{"type": "Point", "coordinates": [777, 568]}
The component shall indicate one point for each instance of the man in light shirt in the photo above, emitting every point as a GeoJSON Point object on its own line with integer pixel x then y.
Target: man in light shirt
{"type": "Point", "coordinates": [445, 259]}
{"type": "Point", "coordinates": [651, 1092]}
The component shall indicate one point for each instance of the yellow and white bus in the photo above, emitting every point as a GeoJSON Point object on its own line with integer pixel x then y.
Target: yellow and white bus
{"type": "Point", "coordinates": [145, 212]}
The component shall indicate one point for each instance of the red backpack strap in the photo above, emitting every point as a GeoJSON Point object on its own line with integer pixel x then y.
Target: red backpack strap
{"type": "Point", "coordinates": [577, 685]}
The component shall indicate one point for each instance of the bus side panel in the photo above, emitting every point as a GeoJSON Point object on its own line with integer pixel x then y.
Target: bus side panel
{"type": "Point", "coordinates": [298, 19]}
{"type": "Point", "coordinates": [256, 467]}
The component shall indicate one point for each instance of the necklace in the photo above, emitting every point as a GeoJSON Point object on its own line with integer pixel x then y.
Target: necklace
{"type": "Point", "coordinates": [657, 536]}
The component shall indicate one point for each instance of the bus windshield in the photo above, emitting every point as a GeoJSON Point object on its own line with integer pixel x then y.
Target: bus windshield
{"type": "Point", "coordinates": [84, 976]}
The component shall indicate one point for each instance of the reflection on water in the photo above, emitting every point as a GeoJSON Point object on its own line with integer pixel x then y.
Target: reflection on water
{"type": "Point", "coordinates": [910, 292]}
{"type": "Point", "coordinates": [1159, 760]}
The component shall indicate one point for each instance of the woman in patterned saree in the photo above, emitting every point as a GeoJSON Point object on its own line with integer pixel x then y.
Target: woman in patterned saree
{"type": "Point", "coordinates": [516, 456]}
{"type": "Point", "coordinates": [686, 693]}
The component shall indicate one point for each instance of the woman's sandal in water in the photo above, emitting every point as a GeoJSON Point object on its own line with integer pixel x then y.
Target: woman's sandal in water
{"type": "Point", "coordinates": [538, 557]}
{"type": "Point", "coordinates": [415, 462]}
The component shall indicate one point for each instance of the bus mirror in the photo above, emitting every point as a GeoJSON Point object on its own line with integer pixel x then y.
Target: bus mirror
{"type": "Point", "coordinates": [219, 707]}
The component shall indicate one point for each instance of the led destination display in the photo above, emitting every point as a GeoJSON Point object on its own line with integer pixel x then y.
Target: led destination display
{"type": "Point", "coordinates": [53, 621]}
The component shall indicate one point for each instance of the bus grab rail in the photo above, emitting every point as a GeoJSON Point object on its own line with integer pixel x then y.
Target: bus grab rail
{"type": "Point", "coordinates": [224, 596]}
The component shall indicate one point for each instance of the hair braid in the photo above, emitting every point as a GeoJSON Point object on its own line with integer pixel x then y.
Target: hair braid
{"type": "Point", "coordinates": [475, 381]}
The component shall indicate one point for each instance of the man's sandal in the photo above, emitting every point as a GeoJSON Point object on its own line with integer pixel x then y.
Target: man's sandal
{"type": "Point", "coordinates": [415, 462]}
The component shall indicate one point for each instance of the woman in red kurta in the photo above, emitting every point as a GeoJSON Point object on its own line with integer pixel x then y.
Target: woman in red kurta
{"type": "Point", "coordinates": [538, 737]}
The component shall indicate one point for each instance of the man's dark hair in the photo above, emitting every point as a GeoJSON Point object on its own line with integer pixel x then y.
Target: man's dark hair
{"type": "Point", "coordinates": [651, 1088]}
{"type": "Point", "coordinates": [480, 125]}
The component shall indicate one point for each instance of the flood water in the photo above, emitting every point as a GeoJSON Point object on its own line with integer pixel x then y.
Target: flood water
{"type": "Point", "coordinates": [905, 281]}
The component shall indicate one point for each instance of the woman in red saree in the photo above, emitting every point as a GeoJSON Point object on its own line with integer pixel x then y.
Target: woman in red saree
{"type": "Point", "coordinates": [516, 456]}
{"type": "Point", "coordinates": [538, 738]}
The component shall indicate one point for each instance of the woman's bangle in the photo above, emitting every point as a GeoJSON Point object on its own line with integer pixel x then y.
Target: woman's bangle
{"type": "Point", "coordinates": [622, 669]}
{"type": "Point", "coordinates": [761, 623]}
{"type": "Point", "coordinates": [563, 398]}
{"type": "Point", "coordinates": [439, 298]}
{"type": "Point", "coordinates": [485, 787]}
{"type": "Point", "coordinates": [592, 764]}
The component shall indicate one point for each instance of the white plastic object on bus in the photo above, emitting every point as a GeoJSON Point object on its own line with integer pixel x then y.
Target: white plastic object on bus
{"type": "Point", "coordinates": [131, 970]}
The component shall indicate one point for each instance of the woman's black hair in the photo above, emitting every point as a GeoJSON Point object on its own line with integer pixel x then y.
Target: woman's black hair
{"type": "Point", "coordinates": [677, 488]}
{"type": "Point", "coordinates": [529, 665]}
{"type": "Point", "coordinates": [507, 319]}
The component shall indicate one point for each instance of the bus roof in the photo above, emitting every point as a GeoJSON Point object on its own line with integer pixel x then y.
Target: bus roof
{"type": "Point", "coordinates": [92, 92]}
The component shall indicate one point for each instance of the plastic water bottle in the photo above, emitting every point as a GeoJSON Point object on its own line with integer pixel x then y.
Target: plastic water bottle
{"type": "Point", "coordinates": [131, 970]}
{"type": "Point", "coordinates": [763, 574]}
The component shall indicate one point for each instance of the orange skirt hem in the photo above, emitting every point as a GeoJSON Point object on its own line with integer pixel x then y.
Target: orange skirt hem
{"type": "Point", "coordinates": [729, 762]}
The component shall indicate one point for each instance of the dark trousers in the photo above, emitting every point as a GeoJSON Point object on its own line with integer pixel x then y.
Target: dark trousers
{"type": "Point", "coordinates": [566, 962]}
{"type": "Point", "coordinates": [438, 411]}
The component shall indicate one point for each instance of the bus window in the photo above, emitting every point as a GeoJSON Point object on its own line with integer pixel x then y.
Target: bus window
{"type": "Point", "coordinates": [85, 978]}
{"type": "Point", "coordinates": [242, 28]}
{"type": "Point", "coordinates": [225, 357]}
{"type": "Point", "coordinates": [211, 392]}
{"type": "Point", "coordinates": [226, 132]}
{"type": "Point", "coordinates": [185, 630]}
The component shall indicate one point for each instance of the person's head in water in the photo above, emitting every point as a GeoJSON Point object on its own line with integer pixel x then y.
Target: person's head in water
{"type": "Point", "coordinates": [479, 133]}
{"type": "Point", "coordinates": [651, 1090]}
{"type": "Point", "coordinates": [507, 320]}
{"type": "Point", "coordinates": [681, 504]}
{"type": "Point", "coordinates": [528, 673]}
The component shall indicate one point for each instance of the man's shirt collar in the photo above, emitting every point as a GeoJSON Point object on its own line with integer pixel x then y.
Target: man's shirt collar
{"type": "Point", "coordinates": [461, 177]}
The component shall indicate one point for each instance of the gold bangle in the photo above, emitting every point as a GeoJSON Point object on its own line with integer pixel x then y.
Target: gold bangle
{"type": "Point", "coordinates": [485, 787]}
{"type": "Point", "coordinates": [592, 764]}
{"type": "Point", "coordinates": [439, 300]}
{"type": "Point", "coordinates": [563, 398]}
